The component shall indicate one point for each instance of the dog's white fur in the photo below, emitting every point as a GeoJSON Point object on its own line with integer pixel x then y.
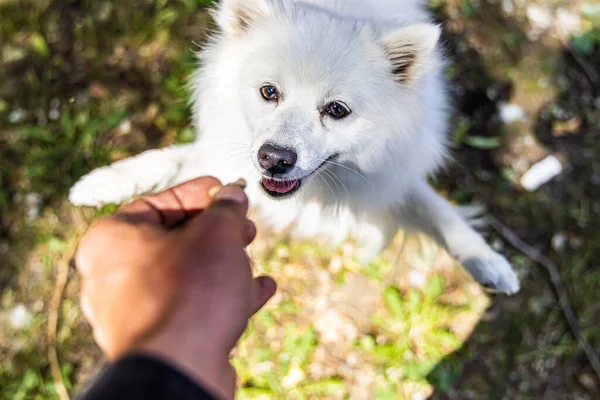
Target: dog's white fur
{"type": "Point", "coordinates": [378, 57]}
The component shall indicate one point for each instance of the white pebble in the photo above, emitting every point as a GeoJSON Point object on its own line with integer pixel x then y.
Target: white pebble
{"type": "Point", "coordinates": [508, 7]}
{"type": "Point", "coordinates": [498, 245]}
{"type": "Point", "coordinates": [417, 279]}
{"type": "Point", "coordinates": [541, 173]}
{"type": "Point", "coordinates": [512, 113]}
{"type": "Point", "coordinates": [539, 17]}
{"type": "Point", "coordinates": [567, 23]}
{"type": "Point", "coordinates": [125, 127]}
{"type": "Point", "coordinates": [19, 317]}
{"type": "Point", "coordinates": [16, 116]}
{"type": "Point", "coordinates": [293, 378]}
{"type": "Point", "coordinates": [33, 202]}
{"type": "Point", "coordinates": [54, 114]}
{"type": "Point", "coordinates": [559, 241]}
{"type": "Point", "coordinates": [38, 306]}
{"type": "Point", "coordinates": [263, 368]}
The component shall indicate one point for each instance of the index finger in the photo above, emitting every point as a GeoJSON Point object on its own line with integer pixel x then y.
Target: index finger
{"type": "Point", "coordinates": [172, 206]}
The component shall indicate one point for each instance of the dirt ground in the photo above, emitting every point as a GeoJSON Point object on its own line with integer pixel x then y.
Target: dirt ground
{"type": "Point", "coordinates": [83, 83]}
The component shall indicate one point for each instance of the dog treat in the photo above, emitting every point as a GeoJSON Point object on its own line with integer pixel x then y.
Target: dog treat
{"type": "Point", "coordinates": [212, 192]}
{"type": "Point", "coordinates": [240, 182]}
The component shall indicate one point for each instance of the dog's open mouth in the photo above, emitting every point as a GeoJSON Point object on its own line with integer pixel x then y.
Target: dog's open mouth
{"type": "Point", "coordinates": [280, 188]}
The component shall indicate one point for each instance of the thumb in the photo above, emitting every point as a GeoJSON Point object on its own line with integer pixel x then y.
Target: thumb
{"type": "Point", "coordinates": [224, 220]}
{"type": "Point", "coordinates": [264, 288]}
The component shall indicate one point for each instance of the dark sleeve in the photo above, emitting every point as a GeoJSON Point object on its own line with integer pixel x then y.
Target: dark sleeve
{"type": "Point", "coordinates": [142, 377]}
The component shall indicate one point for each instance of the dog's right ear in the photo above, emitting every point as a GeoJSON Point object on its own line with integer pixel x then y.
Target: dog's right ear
{"type": "Point", "coordinates": [412, 51]}
{"type": "Point", "coordinates": [234, 17]}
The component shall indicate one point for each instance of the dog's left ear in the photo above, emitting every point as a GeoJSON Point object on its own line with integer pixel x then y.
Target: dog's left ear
{"type": "Point", "coordinates": [235, 17]}
{"type": "Point", "coordinates": [412, 51]}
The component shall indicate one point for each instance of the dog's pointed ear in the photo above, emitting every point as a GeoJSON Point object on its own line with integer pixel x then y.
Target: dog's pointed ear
{"type": "Point", "coordinates": [412, 51]}
{"type": "Point", "coordinates": [234, 17]}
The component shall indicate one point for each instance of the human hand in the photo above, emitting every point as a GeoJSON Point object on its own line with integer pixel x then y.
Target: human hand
{"type": "Point", "coordinates": [168, 275]}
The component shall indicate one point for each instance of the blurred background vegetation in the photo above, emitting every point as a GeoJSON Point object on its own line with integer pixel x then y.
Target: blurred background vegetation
{"type": "Point", "coordinates": [84, 83]}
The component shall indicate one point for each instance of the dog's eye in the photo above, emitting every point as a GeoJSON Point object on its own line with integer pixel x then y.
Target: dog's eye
{"type": "Point", "coordinates": [337, 110]}
{"type": "Point", "coordinates": [269, 93]}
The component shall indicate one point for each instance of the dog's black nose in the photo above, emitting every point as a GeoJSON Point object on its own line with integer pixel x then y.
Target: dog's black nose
{"type": "Point", "coordinates": [276, 160]}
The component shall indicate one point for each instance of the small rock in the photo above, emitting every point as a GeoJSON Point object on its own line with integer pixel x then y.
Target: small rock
{"type": "Point", "coordinates": [352, 360]}
{"type": "Point", "coordinates": [540, 17]}
{"type": "Point", "coordinates": [293, 378]}
{"type": "Point", "coordinates": [559, 240]}
{"type": "Point", "coordinates": [19, 317]}
{"type": "Point", "coordinates": [33, 202]}
{"type": "Point", "coordinates": [498, 245]}
{"type": "Point", "coordinates": [419, 396]}
{"type": "Point", "coordinates": [53, 115]}
{"type": "Point", "coordinates": [510, 113]}
{"type": "Point", "coordinates": [38, 306]}
{"type": "Point", "coordinates": [125, 127]}
{"type": "Point", "coordinates": [567, 23]}
{"type": "Point", "coordinates": [336, 265]}
{"type": "Point", "coordinates": [492, 93]}
{"type": "Point", "coordinates": [263, 368]}
{"type": "Point", "coordinates": [417, 279]}
{"type": "Point", "coordinates": [588, 381]}
{"type": "Point", "coordinates": [508, 7]}
{"type": "Point", "coordinates": [17, 116]}
{"type": "Point", "coordinates": [151, 112]}
{"type": "Point", "coordinates": [541, 173]}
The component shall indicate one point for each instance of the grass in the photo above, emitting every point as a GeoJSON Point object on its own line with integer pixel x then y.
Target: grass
{"type": "Point", "coordinates": [84, 83]}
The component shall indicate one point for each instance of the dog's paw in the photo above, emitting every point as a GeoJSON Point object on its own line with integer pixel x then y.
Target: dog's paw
{"type": "Point", "coordinates": [107, 185]}
{"type": "Point", "coordinates": [494, 272]}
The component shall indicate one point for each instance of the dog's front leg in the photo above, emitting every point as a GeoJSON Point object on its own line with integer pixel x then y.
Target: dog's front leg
{"type": "Point", "coordinates": [149, 172]}
{"type": "Point", "coordinates": [426, 211]}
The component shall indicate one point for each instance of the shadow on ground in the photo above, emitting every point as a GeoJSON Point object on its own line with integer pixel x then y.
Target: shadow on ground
{"type": "Point", "coordinates": [522, 348]}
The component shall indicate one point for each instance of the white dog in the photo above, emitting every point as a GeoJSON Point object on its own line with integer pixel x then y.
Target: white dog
{"type": "Point", "coordinates": [335, 112]}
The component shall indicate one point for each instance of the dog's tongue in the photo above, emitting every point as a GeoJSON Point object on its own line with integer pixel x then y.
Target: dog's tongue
{"type": "Point", "coordinates": [282, 187]}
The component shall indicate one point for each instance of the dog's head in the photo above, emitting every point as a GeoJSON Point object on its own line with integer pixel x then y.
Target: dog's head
{"type": "Point", "coordinates": [316, 88]}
